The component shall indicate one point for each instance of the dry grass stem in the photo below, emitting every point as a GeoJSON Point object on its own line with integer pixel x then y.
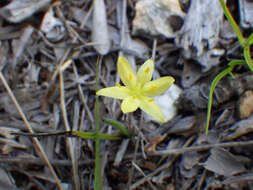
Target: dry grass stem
{"type": "Point", "coordinates": [29, 128]}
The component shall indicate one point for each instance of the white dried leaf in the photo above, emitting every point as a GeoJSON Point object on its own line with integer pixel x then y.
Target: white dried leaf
{"type": "Point", "coordinates": [19, 10]}
{"type": "Point", "coordinates": [18, 45]}
{"type": "Point", "coordinates": [52, 26]}
{"type": "Point", "coordinates": [100, 34]}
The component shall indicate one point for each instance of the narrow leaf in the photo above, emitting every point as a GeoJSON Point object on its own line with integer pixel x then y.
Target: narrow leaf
{"type": "Point", "coordinates": [222, 74]}
{"type": "Point", "coordinates": [118, 125]}
{"type": "Point", "coordinates": [232, 22]}
{"type": "Point", "coordinates": [246, 53]}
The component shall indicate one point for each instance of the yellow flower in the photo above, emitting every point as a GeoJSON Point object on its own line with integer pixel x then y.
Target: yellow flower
{"type": "Point", "coordinates": [138, 88]}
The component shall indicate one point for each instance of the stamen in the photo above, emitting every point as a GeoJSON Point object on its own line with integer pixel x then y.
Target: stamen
{"type": "Point", "coordinates": [147, 70]}
{"type": "Point", "coordinates": [118, 85]}
{"type": "Point", "coordinates": [153, 87]}
{"type": "Point", "coordinates": [150, 100]}
{"type": "Point", "coordinates": [134, 97]}
{"type": "Point", "coordinates": [130, 76]}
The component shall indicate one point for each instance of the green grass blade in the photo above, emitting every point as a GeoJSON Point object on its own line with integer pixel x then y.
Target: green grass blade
{"type": "Point", "coordinates": [232, 22]}
{"type": "Point", "coordinates": [222, 74]}
{"type": "Point", "coordinates": [249, 40]}
{"type": "Point", "coordinates": [98, 168]}
{"type": "Point", "coordinates": [113, 136]}
{"type": "Point", "coordinates": [118, 125]}
{"type": "Point", "coordinates": [84, 135]}
{"type": "Point", "coordinates": [100, 136]}
{"type": "Point", "coordinates": [246, 53]}
{"type": "Point", "coordinates": [235, 62]}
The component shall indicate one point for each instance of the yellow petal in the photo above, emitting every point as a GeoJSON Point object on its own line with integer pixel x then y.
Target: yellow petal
{"type": "Point", "coordinates": [130, 104]}
{"type": "Point", "coordinates": [114, 92]}
{"type": "Point", "coordinates": [126, 72]}
{"type": "Point", "coordinates": [149, 106]}
{"type": "Point", "coordinates": [145, 72]}
{"type": "Point", "coordinates": [158, 86]}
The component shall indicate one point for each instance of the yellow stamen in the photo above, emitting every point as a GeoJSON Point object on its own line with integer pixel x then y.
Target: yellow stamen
{"type": "Point", "coordinates": [134, 97]}
{"type": "Point", "coordinates": [147, 70]}
{"type": "Point", "coordinates": [130, 76]}
{"type": "Point", "coordinates": [152, 87]}
{"type": "Point", "coordinates": [118, 85]}
{"type": "Point", "coordinates": [150, 100]}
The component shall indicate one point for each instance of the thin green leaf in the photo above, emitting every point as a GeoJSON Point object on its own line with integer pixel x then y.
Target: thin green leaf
{"type": "Point", "coordinates": [236, 62]}
{"type": "Point", "coordinates": [100, 136]}
{"type": "Point", "coordinates": [222, 74]}
{"type": "Point", "coordinates": [113, 136]}
{"type": "Point", "coordinates": [249, 40]}
{"type": "Point", "coordinates": [232, 22]}
{"type": "Point", "coordinates": [246, 53]}
{"type": "Point", "coordinates": [84, 135]}
{"type": "Point", "coordinates": [118, 125]}
{"type": "Point", "coordinates": [98, 168]}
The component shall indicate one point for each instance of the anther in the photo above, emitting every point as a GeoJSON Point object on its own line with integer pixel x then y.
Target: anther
{"type": "Point", "coordinates": [147, 70]}
{"type": "Point", "coordinates": [152, 87]}
{"type": "Point", "coordinates": [130, 76]}
{"type": "Point", "coordinates": [118, 85]}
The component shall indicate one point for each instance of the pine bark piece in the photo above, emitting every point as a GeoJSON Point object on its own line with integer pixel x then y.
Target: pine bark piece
{"type": "Point", "coordinates": [246, 104]}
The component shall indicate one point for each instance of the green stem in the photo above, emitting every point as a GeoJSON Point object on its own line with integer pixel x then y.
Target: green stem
{"type": "Point", "coordinates": [216, 80]}
{"type": "Point", "coordinates": [232, 22]}
{"type": "Point", "coordinates": [100, 136]}
{"type": "Point", "coordinates": [98, 168]}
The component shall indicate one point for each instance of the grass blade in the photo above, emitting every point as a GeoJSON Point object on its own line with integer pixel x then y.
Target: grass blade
{"type": "Point", "coordinates": [29, 128]}
{"type": "Point", "coordinates": [246, 53]}
{"type": "Point", "coordinates": [232, 22]}
{"type": "Point", "coordinates": [118, 125]}
{"type": "Point", "coordinates": [98, 168]}
{"type": "Point", "coordinates": [222, 74]}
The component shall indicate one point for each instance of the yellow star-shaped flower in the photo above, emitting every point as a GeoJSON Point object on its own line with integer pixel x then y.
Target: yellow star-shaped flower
{"type": "Point", "coordinates": [138, 88]}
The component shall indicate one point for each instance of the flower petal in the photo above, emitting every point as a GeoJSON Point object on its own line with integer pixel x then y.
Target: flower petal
{"type": "Point", "coordinates": [149, 106]}
{"type": "Point", "coordinates": [130, 104]}
{"type": "Point", "coordinates": [145, 72]}
{"type": "Point", "coordinates": [126, 72]}
{"type": "Point", "coordinates": [158, 86]}
{"type": "Point", "coordinates": [114, 92]}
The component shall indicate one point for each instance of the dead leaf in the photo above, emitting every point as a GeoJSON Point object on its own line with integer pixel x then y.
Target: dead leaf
{"type": "Point", "coordinates": [100, 34]}
{"type": "Point", "coordinates": [224, 163]}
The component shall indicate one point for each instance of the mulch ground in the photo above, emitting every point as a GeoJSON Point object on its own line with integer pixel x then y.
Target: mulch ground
{"type": "Point", "coordinates": [49, 62]}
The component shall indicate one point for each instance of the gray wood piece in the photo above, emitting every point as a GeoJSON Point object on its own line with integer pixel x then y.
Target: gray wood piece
{"type": "Point", "coordinates": [200, 33]}
{"type": "Point", "coordinates": [246, 13]}
{"type": "Point", "coordinates": [19, 10]}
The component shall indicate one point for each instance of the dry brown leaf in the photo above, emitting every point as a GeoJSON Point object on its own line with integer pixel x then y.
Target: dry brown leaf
{"type": "Point", "coordinates": [151, 146]}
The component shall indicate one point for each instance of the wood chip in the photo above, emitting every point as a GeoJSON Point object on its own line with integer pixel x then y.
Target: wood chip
{"type": "Point", "coordinates": [246, 104]}
{"type": "Point", "coordinates": [17, 10]}
{"type": "Point", "coordinates": [224, 163]}
{"type": "Point", "coordinates": [198, 43]}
